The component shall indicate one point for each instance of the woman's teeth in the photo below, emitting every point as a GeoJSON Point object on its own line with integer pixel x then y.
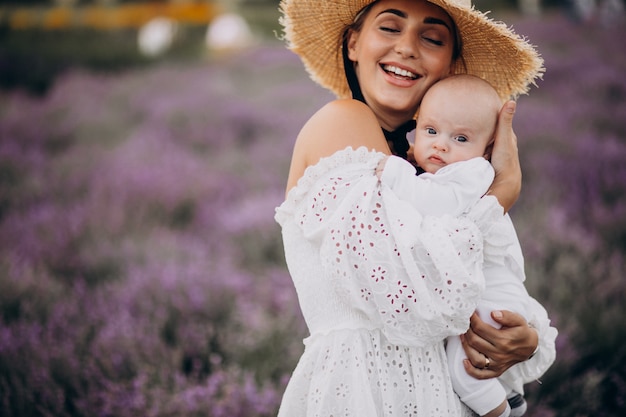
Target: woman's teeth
{"type": "Point", "coordinates": [399, 71]}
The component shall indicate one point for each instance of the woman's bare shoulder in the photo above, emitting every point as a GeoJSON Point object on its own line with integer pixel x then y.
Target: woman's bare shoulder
{"type": "Point", "coordinates": [339, 124]}
{"type": "Point", "coordinates": [336, 126]}
{"type": "Point", "coordinates": [344, 107]}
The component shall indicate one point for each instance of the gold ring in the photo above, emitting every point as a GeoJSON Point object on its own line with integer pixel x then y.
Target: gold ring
{"type": "Point", "coordinates": [486, 363]}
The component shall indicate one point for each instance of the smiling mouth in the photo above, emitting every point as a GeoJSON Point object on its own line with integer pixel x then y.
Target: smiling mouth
{"type": "Point", "coordinates": [399, 72]}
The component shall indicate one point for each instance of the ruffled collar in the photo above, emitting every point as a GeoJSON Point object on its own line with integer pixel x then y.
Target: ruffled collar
{"type": "Point", "coordinates": [312, 173]}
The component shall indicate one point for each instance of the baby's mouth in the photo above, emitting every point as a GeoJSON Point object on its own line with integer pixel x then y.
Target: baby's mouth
{"type": "Point", "coordinates": [399, 72]}
{"type": "Point", "coordinates": [436, 159]}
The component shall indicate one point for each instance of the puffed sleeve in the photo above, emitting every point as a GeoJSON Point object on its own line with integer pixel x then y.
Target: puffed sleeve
{"type": "Point", "coordinates": [418, 278]}
{"type": "Point", "coordinates": [451, 190]}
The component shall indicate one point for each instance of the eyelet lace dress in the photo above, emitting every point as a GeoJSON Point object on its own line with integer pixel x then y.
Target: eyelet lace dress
{"type": "Point", "coordinates": [378, 301]}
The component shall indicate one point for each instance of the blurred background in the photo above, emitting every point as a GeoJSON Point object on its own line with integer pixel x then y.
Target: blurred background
{"type": "Point", "coordinates": [143, 148]}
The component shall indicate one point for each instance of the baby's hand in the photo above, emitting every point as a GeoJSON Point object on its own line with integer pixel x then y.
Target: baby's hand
{"type": "Point", "coordinates": [381, 167]}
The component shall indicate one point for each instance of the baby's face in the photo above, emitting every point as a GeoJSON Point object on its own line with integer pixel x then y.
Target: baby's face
{"type": "Point", "coordinates": [451, 127]}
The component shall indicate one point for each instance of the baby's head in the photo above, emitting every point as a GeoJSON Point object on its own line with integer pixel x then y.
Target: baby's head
{"type": "Point", "coordinates": [456, 121]}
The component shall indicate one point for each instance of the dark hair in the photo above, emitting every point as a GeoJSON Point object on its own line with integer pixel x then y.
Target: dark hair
{"type": "Point", "coordinates": [348, 66]}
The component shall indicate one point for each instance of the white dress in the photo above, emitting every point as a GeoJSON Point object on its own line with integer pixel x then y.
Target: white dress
{"type": "Point", "coordinates": [378, 303]}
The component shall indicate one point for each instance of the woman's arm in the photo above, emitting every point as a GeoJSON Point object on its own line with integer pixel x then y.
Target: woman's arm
{"type": "Point", "coordinates": [507, 185]}
{"type": "Point", "coordinates": [516, 341]}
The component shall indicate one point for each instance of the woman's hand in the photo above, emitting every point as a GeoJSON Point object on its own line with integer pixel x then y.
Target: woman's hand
{"type": "Point", "coordinates": [507, 185]}
{"type": "Point", "coordinates": [501, 348]}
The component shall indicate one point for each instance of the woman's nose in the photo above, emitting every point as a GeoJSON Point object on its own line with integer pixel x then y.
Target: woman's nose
{"type": "Point", "coordinates": [406, 46]}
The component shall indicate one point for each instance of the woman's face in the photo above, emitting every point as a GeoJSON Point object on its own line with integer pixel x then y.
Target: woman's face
{"type": "Point", "coordinates": [403, 47]}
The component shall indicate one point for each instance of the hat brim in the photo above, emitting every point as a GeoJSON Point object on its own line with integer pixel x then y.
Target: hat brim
{"type": "Point", "coordinates": [490, 50]}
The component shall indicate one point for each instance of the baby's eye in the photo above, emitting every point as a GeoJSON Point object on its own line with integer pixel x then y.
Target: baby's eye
{"type": "Point", "coordinates": [461, 138]}
{"type": "Point", "coordinates": [431, 131]}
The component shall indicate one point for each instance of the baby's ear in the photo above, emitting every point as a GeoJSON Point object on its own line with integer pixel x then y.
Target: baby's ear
{"type": "Point", "coordinates": [410, 155]}
{"type": "Point", "coordinates": [488, 151]}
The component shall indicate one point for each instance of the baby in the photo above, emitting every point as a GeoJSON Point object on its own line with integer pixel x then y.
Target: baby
{"type": "Point", "coordinates": [454, 134]}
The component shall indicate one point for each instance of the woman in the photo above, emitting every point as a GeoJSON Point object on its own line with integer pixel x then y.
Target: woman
{"type": "Point", "coordinates": [359, 360]}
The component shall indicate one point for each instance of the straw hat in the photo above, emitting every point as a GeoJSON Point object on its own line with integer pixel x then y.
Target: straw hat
{"type": "Point", "coordinates": [490, 50]}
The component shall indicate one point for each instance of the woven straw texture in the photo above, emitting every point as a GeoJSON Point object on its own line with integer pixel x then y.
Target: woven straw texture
{"type": "Point", "coordinates": [490, 50]}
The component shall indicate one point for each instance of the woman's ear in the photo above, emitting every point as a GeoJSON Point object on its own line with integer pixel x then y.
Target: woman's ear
{"type": "Point", "coordinates": [352, 45]}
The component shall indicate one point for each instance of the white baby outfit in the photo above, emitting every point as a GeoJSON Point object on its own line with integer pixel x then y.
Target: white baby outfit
{"type": "Point", "coordinates": [453, 190]}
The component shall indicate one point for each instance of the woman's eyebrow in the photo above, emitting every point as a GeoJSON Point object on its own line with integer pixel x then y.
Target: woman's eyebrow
{"type": "Point", "coordinates": [428, 20]}
{"type": "Point", "coordinates": [437, 21]}
{"type": "Point", "coordinates": [397, 12]}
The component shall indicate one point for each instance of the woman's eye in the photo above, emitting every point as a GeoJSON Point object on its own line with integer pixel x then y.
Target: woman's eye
{"type": "Point", "coordinates": [389, 29]}
{"type": "Point", "coordinates": [433, 41]}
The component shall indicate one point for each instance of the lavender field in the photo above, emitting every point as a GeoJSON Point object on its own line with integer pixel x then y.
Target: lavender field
{"type": "Point", "coordinates": [141, 271]}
